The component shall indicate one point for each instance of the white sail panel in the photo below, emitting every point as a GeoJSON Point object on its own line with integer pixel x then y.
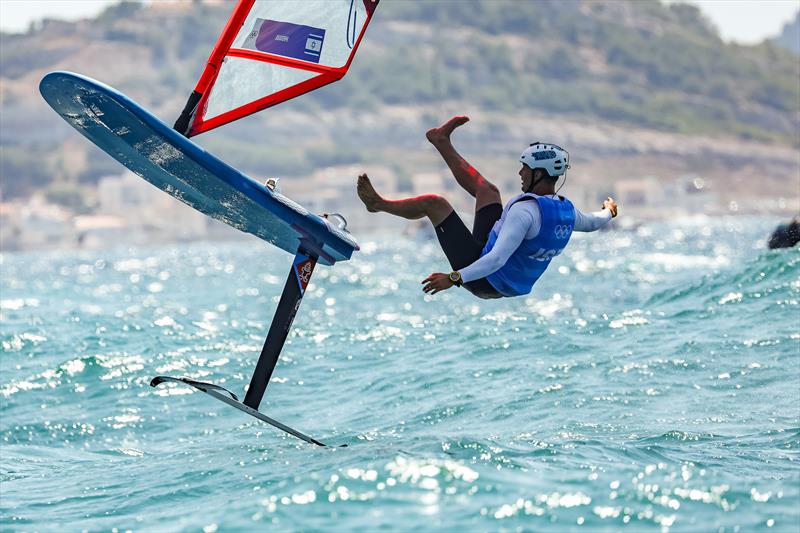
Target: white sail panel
{"type": "Point", "coordinates": [288, 27]}
{"type": "Point", "coordinates": [242, 81]}
{"type": "Point", "coordinates": [271, 51]}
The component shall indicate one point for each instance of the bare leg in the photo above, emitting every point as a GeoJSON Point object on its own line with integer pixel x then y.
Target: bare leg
{"type": "Point", "coordinates": [432, 206]}
{"type": "Point", "coordinates": [471, 180]}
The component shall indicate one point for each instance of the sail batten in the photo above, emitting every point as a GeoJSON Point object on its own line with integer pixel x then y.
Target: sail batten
{"type": "Point", "coordinates": [278, 60]}
{"type": "Point", "coordinates": [271, 51]}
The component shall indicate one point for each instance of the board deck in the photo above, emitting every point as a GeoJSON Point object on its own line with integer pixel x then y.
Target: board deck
{"type": "Point", "coordinates": [181, 168]}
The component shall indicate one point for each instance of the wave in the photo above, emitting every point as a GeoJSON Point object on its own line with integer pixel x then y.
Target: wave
{"type": "Point", "coordinates": [772, 271]}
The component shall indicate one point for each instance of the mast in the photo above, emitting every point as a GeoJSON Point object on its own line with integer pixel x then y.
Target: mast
{"type": "Point", "coordinates": [186, 119]}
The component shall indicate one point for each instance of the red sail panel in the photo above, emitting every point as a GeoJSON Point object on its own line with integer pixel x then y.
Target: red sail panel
{"type": "Point", "coordinates": [271, 51]}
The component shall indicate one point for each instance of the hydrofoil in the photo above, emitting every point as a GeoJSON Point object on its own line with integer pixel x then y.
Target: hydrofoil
{"type": "Point", "coordinates": [269, 51]}
{"type": "Point", "coordinates": [181, 168]}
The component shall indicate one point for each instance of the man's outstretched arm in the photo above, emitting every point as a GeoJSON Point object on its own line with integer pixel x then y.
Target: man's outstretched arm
{"type": "Point", "coordinates": [596, 220]}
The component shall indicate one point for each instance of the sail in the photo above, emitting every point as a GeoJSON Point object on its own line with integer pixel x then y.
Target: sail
{"type": "Point", "coordinates": [271, 51]}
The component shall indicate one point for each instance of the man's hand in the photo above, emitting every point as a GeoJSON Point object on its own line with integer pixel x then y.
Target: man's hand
{"type": "Point", "coordinates": [611, 205]}
{"type": "Point", "coordinates": [436, 282]}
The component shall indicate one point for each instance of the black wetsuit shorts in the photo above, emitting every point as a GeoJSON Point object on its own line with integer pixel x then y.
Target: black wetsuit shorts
{"type": "Point", "coordinates": [463, 248]}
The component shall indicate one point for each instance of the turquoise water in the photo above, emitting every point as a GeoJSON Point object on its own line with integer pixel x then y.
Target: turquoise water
{"type": "Point", "coordinates": [651, 382]}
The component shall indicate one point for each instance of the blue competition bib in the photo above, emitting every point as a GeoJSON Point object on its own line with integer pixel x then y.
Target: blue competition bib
{"type": "Point", "coordinates": [531, 259]}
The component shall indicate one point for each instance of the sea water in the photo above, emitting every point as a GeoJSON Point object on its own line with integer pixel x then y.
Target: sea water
{"type": "Point", "coordinates": [651, 382]}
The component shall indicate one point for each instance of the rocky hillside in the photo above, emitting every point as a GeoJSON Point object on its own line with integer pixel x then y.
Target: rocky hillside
{"type": "Point", "coordinates": [790, 36]}
{"type": "Point", "coordinates": [631, 87]}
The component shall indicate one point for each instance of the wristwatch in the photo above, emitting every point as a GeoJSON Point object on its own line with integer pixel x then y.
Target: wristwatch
{"type": "Point", "coordinates": [455, 278]}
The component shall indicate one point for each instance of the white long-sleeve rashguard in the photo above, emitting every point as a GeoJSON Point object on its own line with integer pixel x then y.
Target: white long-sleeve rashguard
{"type": "Point", "coordinates": [524, 221]}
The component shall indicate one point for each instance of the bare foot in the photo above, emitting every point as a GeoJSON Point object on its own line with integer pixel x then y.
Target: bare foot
{"type": "Point", "coordinates": [443, 132]}
{"type": "Point", "coordinates": [367, 194]}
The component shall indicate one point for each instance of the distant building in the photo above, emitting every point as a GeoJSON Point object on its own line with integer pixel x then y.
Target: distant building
{"type": "Point", "coordinates": [639, 193]}
{"type": "Point", "coordinates": [100, 231]}
{"type": "Point", "coordinates": [648, 198]}
{"type": "Point", "coordinates": [429, 182]}
{"type": "Point", "coordinates": [333, 190]}
{"type": "Point", "coordinates": [695, 195]}
{"type": "Point", "coordinates": [124, 194]}
{"type": "Point", "coordinates": [148, 214]}
{"type": "Point", "coordinates": [34, 224]}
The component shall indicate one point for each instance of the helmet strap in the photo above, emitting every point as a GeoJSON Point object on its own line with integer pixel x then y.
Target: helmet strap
{"type": "Point", "coordinates": [562, 183]}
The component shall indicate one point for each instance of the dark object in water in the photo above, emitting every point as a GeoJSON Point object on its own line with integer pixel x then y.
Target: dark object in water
{"type": "Point", "coordinates": [785, 235]}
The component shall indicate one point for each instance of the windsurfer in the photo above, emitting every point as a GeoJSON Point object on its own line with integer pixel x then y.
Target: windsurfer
{"type": "Point", "coordinates": [509, 248]}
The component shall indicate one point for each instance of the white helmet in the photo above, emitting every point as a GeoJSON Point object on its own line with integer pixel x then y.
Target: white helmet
{"type": "Point", "coordinates": [552, 158]}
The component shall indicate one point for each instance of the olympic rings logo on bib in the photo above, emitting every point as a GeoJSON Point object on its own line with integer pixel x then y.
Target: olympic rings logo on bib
{"type": "Point", "coordinates": [562, 231]}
